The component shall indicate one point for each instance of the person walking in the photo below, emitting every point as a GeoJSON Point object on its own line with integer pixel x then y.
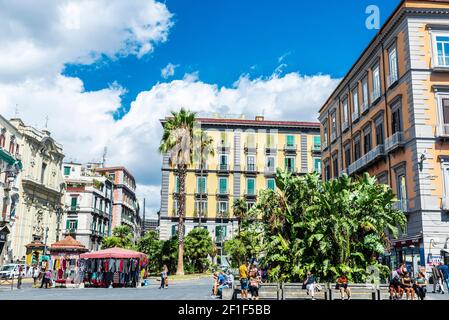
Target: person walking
{"type": "Point", "coordinates": [47, 279]}
{"type": "Point", "coordinates": [421, 285]}
{"type": "Point", "coordinates": [35, 272]}
{"type": "Point", "coordinates": [19, 277]}
{"type": "Point", "coordinates": [243, 275]}
{"type": "Point", "coordinates": [445, 272]}
{"type": "Point", "coordinates": [310, 284]}
{"type": "Point", "coordinates": [254, 282]}
{"type": "Point", "coordinates": [342, 285]}
{"type": "Point", "coordinates": [164, 275]}
{"type": "Point", "coordinates": [437, 276]}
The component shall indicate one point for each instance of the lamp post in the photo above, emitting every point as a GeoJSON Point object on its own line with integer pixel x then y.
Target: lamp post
{"type": "Point", "coordinates": [58, 221]}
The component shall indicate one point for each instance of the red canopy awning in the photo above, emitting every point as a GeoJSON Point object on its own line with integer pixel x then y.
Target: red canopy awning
{"type": "Point", "coordinates": [117, 253]}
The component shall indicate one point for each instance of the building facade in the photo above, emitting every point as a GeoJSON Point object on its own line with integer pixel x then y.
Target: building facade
{"type": "Point", "coordinates": [10, 169]}
{"type": "Point", "coordinates": [125, 208]}
{"type": "Point", "coordinates": [246, 156]}
{"type": "Point", "coordinates": [389, 117]}
{"type": "Point", "coordinates": [88, 203]}
{"type": "Point", "coordinates": [39, 212]}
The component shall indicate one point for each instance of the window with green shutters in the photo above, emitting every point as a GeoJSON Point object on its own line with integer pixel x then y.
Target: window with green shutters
{"type": "Point", "coordinates": [317, 143]}
{"type": "Point", "coordinates": [290, 141]}
{"type": "Point", "coordinates": [271, 184]}
{"type": "Point", "coordinates": [66, 171]}
{"type": "Point", "coordinates": [201, 184]}
{"type": "Point", "coordinates": [290, 164]}
{"type": "Point", "coordinates": [173, 230]}
{"type": "Point", "coordinates": [220, 233]}
{"type": "Point", "coordinates": [176, 184]}
{"type": "Point", "coordinates": [317, 165]}
{"type": "Point", "coordinates": [250, 186]}
{"type": "Point", "coordinates": [73, 203]}
{"type": "Point", "coordinates": [223, 185]}
{"type": "Point", "coordinates": [71, 225]}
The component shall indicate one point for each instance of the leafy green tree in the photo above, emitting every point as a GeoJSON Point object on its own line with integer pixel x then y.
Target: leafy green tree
{"type": "Point", "coordinates": [152, 246]}
{"type": "Point", "coordinates": [177, 142]}
{"type": "Point", "coordinates": [122, 237]}
{"type": "Point", "coordinates": [199, 247]}
{"type": "Point", "coordinates": [328, 228]}
{"type": "Point", "coordinates": [169, 254]}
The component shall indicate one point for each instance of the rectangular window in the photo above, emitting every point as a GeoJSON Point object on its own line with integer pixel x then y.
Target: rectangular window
{"type": "Point", "coordinates": [223, 162]}
{"type": "Point", "coordinates": [365, 92]}
{"type": "Point", "coordinates": [335, 165]}
{"type": "Point", "coordinates": [445, 107]}
{"type": "Point", "coordinates": [174, 230]}
{"type": "Point", "coordinates": [376, 83]}
{"type": "Point", "coordinates": [396, 120]}
{"type": "Point", "coordinates": [73, 203]}
{"type": "Point", "coordinates": [355, 101]}
{"type": "Point", "coordinates": [441, 44]}
{"type": "Point", "coordinates": [250, 186]}
{"type": "Point", "coordinates": [249, 205]}
{"type": "Point", "coordinates": [223, 185]}
{"type": "Point", "coordinates": [201, 184]}
{"type": "Point", "coordinates": [220, 233]}
{"type": "Point", "coordinates": [367, 140]}
{"type": "Point", "coordinates": [379, 131]}
{"type": "Point", "coordinates": [316, 143]}
{"type": "Point", "coordinates": [290, 141]}
{"type": "Point", "coordinates": [347, 155]}
{"type": "Point", "coordinates": [345, 113]}
{"type": "Point", "coordinates": [357, 148]}
{"type": "Point", "coordinates": [327, 170]}
{"type": "Point", "coordinates": [271, 166]}
{"type": "Point", "coordinates": [317, 165]}
{"type": "Point", "coordinates": [401, 187]}
{"type": "Point", "coordinates": [44, 168]}
{"type": "Point", "coordinates": [251, 163]}
{"type": "Point", "coordinates": [66, 171]}
{"type": "Point", "coordinates": [271, 184]}
{"type": "Point", "coordinates": [393, 65]}
{"type": "Point", "coordinates": [201, 207]}
{"type": "Point", "coordinates": [290, 164]}
{"type": "Point", "coordinates": [176, 184]}
{"type": "Point", "coordinates": [326, 135]}
{"type": "Point", "coordinates": [334, 126]}
{"type": "Point", "coordinates": [222, 207]}
{"type": "Point", "coordinates": [72, 225]}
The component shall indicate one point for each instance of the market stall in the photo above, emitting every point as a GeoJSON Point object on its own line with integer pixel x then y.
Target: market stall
{"type": "Point", "coordinates": [65, 256]}
{"type": "Point", "coordinates": [114, 267]}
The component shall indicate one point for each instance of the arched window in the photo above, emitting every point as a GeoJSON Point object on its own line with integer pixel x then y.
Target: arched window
{"type": "Point", "coordinates": [2, 140]}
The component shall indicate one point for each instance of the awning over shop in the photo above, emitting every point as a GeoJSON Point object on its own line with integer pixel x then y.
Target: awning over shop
{"type": "Point", "coordinates": [68, 244]}
{"type": "Point", "coordinates": [117, 253]}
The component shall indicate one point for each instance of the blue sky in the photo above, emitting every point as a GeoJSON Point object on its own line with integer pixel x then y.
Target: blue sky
{"type": "Point", "coordinates": [223, 39]}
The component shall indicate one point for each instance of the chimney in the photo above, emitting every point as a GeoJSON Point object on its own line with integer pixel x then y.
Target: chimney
{"type": "Point", "coordinates": [260, 118]}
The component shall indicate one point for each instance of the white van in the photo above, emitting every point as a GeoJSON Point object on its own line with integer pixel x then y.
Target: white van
{"type": "Point", "coordinates": [7, 271]}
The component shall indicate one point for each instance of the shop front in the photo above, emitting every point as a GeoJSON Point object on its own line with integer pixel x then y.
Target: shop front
{"type": "Point", "coordinates": [409, 251]}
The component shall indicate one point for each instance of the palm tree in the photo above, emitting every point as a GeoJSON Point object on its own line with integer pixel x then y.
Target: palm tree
{"type": "Point", "coordinates": [240, 210]}
{"type": "Point", "coordinates": [205, 150]}
{"type": "Point", "coordinates": [177, 143]}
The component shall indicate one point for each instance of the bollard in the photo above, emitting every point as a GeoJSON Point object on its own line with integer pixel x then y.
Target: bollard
{"type": "Point", "coordinates": [330, 294]}
{"type": "Point", "coordinates": [373, 295]}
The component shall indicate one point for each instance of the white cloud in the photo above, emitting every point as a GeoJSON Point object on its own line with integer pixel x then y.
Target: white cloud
{"type": "Point", "coordinates": [168, 70]}
{"type": "Point", "coordinates": [38, 37]}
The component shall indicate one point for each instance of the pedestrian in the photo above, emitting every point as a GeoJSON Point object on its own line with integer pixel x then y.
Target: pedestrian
{"type": "Point", "coordinates": [243, 275]}
{"type": "Point", "coordinates": [396, 290]}
{"type": "Point", "coordinates": [47, 279]}
{"type": "Point", "coordinates": [407, 285]}
{"type": "Point", "coordinates": [35, 272]}
{"type": "Point", "coordinates": [215, 286]}
{"type": "Point", "coordinates": [19, 277]}
{"type": "Point", "coordinates": [164, 275]}
{"type": "Point", "coordinates": [445, 271]}
{"type": "Point", "coordinates": [342, 285]}
{"type": "Point", "coordinates": [254, 282]}
{"type": "Point", "coordinates": [437, 276]}
{"type": "Point", "coordinates": [221, 283]}
{"type": "Point", "coordinates": [309, 284]}
{"type": "Point", "coordinates": [421, 285]}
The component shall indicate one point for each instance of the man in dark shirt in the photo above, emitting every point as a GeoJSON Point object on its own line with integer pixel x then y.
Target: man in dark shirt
{"type": "Point", "coordinates": [310, 284]}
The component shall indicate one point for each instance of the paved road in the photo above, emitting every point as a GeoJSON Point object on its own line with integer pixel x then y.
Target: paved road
{"type": "Point", "coordinates": [199, 289]}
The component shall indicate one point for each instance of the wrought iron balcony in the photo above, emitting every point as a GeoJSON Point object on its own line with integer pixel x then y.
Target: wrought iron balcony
{"type": "Point", "coordinates": [250, 148]}
{"type": "Point", "coordinates": [366, 160]}
{"type": "Point", "coordinates": [250, 193]}
{"type": "Point", "coordinates": [222, 214]}
{"type": "Point", "coordinates": [271, 149]}
{"type": "Point", "coordinates": [202, 168]}
{"type": "Point", "coordinates": [224, 147]}
{"type": "Point", "coordinates": [292, 148]}
{"type": "Point", "coordinates": [394, 142]}
{"type": "Point", "coordinates": [401, 205]}
{"type": "Point", "coordinates": [251, 168]}
{"type": "Point", "coordinates": [223, 168]}
{"type": "Point", "coordinates": [223, 192]}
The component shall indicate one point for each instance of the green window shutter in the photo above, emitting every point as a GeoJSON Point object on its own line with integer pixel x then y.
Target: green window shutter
{"type": "Point", "coordinates": [271, 184]}
{"type": "Point", "coordinates": [67, 224]}
{"type": "Point", "coordinates": [290, 141]}
{"type": "Point", "coordinates": [74, 203]}
{"type": "Point", "coordinates": [66, 171]}
{"type": "Point", "coordinates": [173, 230]}
{"type": "Point", "coordinates": [76, 224]}
{"type": "Point", "coordinates": [223, 185]}
{"type": "Point", "coordinates": [250, 185]}
{"type": "Point", "coordinates": [176, 184]}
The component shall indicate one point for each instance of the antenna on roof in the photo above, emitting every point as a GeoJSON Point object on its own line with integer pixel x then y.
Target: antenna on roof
{"type": "Point", "coordinates": [16, 112]}
{"type": "Point", "coordinates": [105, 152]}
{"type": "Point", "coordinates": [46, 122]}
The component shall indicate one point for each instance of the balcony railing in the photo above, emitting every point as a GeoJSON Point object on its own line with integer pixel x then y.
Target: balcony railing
{"type": "Point", "coordinates": [250, 148]}
{"type": "Point", "coordinates": [250, 193]}
{"type": "Point", "coordinates": [222, 214]}
{"type": "Point", "coordinates": [270, 170]}
{"type": "Point", "coordinates": [271, 148]}
{"type": "Point", "coordinates": [290, 148]}
{"type": "Point", "coordinates": [355, 116]}
{"type": "Point", "coordinates": [375, 96]}
{"type": "Point", "coordinates": [401, 205]}
{"type": "Point", "coordinates": [365, 107]}
{"type": "Point", "coordinates": [223, 192]}
{"type": "Point", "coordinates": [224, 147]}
{"type": "Point", "coordinates": [366, 160]}
{"type": "Point", "coordinates": [203, 212]}
{"type": "Point", "coordinates": [199, 167]}
{"type": "Point", "coordinates": [290, 169]}
{"type": "Point", "coordinates": [392, 79]}
{"type": "Point", "coordinates": [394, 142]}
{"type": "Point", "coordinates": [443, 131]}
{"type": "Point", "coordinates": [316, 147]}
{"type": "Point", "coordinates": [250, 168]}
{"type": "Point", "coordinates": [223, 168]}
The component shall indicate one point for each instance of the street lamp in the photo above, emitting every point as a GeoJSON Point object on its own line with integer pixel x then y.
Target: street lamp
{"type": "Point", "coordinates": [58, 221]}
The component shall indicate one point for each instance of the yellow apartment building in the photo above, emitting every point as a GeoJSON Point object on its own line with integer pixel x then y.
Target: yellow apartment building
{"type": "Point", "coordinates": [389, 116]}
{"type": "Point", "coordinates": [246, 156]}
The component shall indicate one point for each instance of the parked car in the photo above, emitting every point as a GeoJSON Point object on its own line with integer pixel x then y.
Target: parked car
{"type": "Point", "coordinates": [7, 271]}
